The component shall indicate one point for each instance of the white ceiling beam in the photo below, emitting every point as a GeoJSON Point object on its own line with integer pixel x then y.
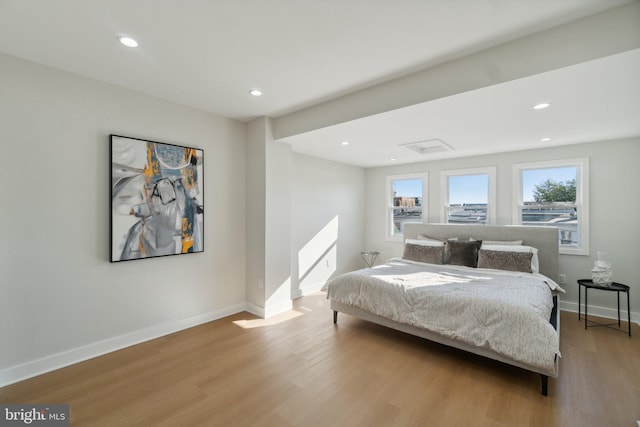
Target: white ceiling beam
{"type": "Point", "coordinates": [604, 34]}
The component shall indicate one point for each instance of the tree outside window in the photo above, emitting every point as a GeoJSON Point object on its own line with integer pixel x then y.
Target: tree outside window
{"type": "Point", "coordinates": [554, 194]}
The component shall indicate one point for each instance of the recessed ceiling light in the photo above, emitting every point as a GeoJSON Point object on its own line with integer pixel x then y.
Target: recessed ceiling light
{"type": "Point", "coordinates": [547, 139]}
{"type": "Point", "coordinates": [541, 106]}
{"type": "Point", "coordinates": [344, 143]}
{"type": "Point", "coordinates": [128, 41]}
{"type": "Point", "coordinates": [393, 159]}
{"type": "Point", "coordinates": [255, 92]}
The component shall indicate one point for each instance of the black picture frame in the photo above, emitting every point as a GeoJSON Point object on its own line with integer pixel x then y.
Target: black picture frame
{"type": "Point", "coordinates": [157, 199]}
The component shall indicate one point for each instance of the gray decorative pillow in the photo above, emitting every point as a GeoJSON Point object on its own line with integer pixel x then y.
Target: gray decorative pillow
{"type": "Point", "coordinates": [420, 253]}
{"type": "Point", "coordinates": [462, 252]}
{"type": "Point", "coordinates": [501, 260]}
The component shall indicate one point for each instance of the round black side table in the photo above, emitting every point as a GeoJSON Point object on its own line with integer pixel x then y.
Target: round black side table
{"type": "Point", "coordinates": [614, 287]}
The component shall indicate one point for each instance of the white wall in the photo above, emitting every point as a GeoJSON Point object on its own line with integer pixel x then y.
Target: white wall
{"type": "Point", "coordinates": [327, 222]}
{"type": "Point", "coordinates": [60, 298]}
{"type": "Point", "coordinates": [255, 214]}
{"type": "Point", "coordinates": [614, 201]}
{"type": "Point", "coordinates": [268, 220]}
{"type": "Point", "coordinates": [278, 160]}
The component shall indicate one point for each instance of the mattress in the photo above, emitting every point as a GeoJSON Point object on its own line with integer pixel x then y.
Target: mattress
{"type": "Point", "coordinates": [498, 312]}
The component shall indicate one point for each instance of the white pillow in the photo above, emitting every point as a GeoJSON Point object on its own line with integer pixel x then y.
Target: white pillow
{"type": "Point", "coordinates": [500, 242]}
{"type": "Point", "coordinates": [425, 242]}
{"type": "Point", "coordinates": [433, 239]}
{"type": "Point", "coordinates": [535, 264]}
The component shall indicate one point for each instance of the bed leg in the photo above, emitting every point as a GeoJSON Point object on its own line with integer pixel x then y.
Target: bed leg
{"type": "Point", "coordinates": [545, 385]}
{"type": "Point", "coordinates": [335, 317]}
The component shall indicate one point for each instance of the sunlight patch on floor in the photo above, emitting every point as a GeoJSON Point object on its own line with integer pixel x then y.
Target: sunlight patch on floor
{"type": "Point", "coordinates": [259, 323]}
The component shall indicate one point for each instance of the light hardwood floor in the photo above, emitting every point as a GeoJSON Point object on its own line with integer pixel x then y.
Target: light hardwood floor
{"type": "Point", "coordinates": [299, 369]}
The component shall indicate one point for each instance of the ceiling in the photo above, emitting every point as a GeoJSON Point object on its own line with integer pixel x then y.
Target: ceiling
{"type": "Point", "coordinates": [593, 101]}
{"type": "Point", "coordinates": [209, 54]}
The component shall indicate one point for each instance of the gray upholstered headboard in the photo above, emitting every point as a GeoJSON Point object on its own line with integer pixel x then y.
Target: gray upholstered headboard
{"type": "Point", "coordinates": [543, 238]}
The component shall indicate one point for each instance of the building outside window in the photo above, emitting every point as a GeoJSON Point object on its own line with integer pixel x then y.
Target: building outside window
{"type": "Point", "coordinates": [555, 194]}
{"type": "Point", "coordinates": [406, 195]}
{"type": "Point", "coordinates": [469, 196]}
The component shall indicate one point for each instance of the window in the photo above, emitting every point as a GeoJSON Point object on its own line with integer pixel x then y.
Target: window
{"type": "Point", "coordinates": [555, 194]}
{"type": "Point", "coordinates": [469, 196]}
{"type": "Point", "coordinates": [405, 197]}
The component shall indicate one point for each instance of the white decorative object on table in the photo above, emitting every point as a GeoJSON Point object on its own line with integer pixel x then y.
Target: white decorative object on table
{"type": "Point", "coordinates": [601, 273]}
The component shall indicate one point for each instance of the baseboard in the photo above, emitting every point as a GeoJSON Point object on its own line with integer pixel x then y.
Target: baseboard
{"type": "Point", "coordinates": [307, 290]}
{"type": "Point", "coordinates": [271, 310]}
{"type": "Point", "coordinates": [60, 360]}
{"type": "Point", "coordinates": [255, 310]}
{"type": "Point", "coordinates": [604, 312]}
{"type": "Point", "coordinates": [275, 309]}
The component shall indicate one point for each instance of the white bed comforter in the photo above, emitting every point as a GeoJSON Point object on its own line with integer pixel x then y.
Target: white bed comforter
{"type": "Point", "coordinates": [507, 312]}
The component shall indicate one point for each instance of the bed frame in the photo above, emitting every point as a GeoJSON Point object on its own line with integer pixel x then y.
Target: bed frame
{"type": "Point", "coordinates": [543, 238]}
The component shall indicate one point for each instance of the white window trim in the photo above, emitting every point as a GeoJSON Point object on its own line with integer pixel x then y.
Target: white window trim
{"type": "Point", "coordinates": [444, 192]}
{"type": "Point", "coordinates": [582, 196]}
{"type": "Point", "coordinates": [424, 176]}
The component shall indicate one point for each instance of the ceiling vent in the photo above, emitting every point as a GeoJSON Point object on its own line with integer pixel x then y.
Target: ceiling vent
{"type": "Point", "coordinates": [429, 146]}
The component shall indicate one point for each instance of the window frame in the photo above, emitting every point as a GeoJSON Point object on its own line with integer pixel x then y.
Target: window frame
{"type": "Point", "coordinates": [582, 197]}
{"type": "Point", "coordinates": [491, 202]}
{"type": "Point", "coordinates": [424, 176]}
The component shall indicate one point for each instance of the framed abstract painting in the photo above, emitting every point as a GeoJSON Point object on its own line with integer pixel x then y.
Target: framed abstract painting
{"type": "Point", "coordinates": [157, 199]}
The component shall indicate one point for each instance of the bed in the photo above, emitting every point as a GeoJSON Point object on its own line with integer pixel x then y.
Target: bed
{"type": "Point", "coordinates": [507, 313]}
